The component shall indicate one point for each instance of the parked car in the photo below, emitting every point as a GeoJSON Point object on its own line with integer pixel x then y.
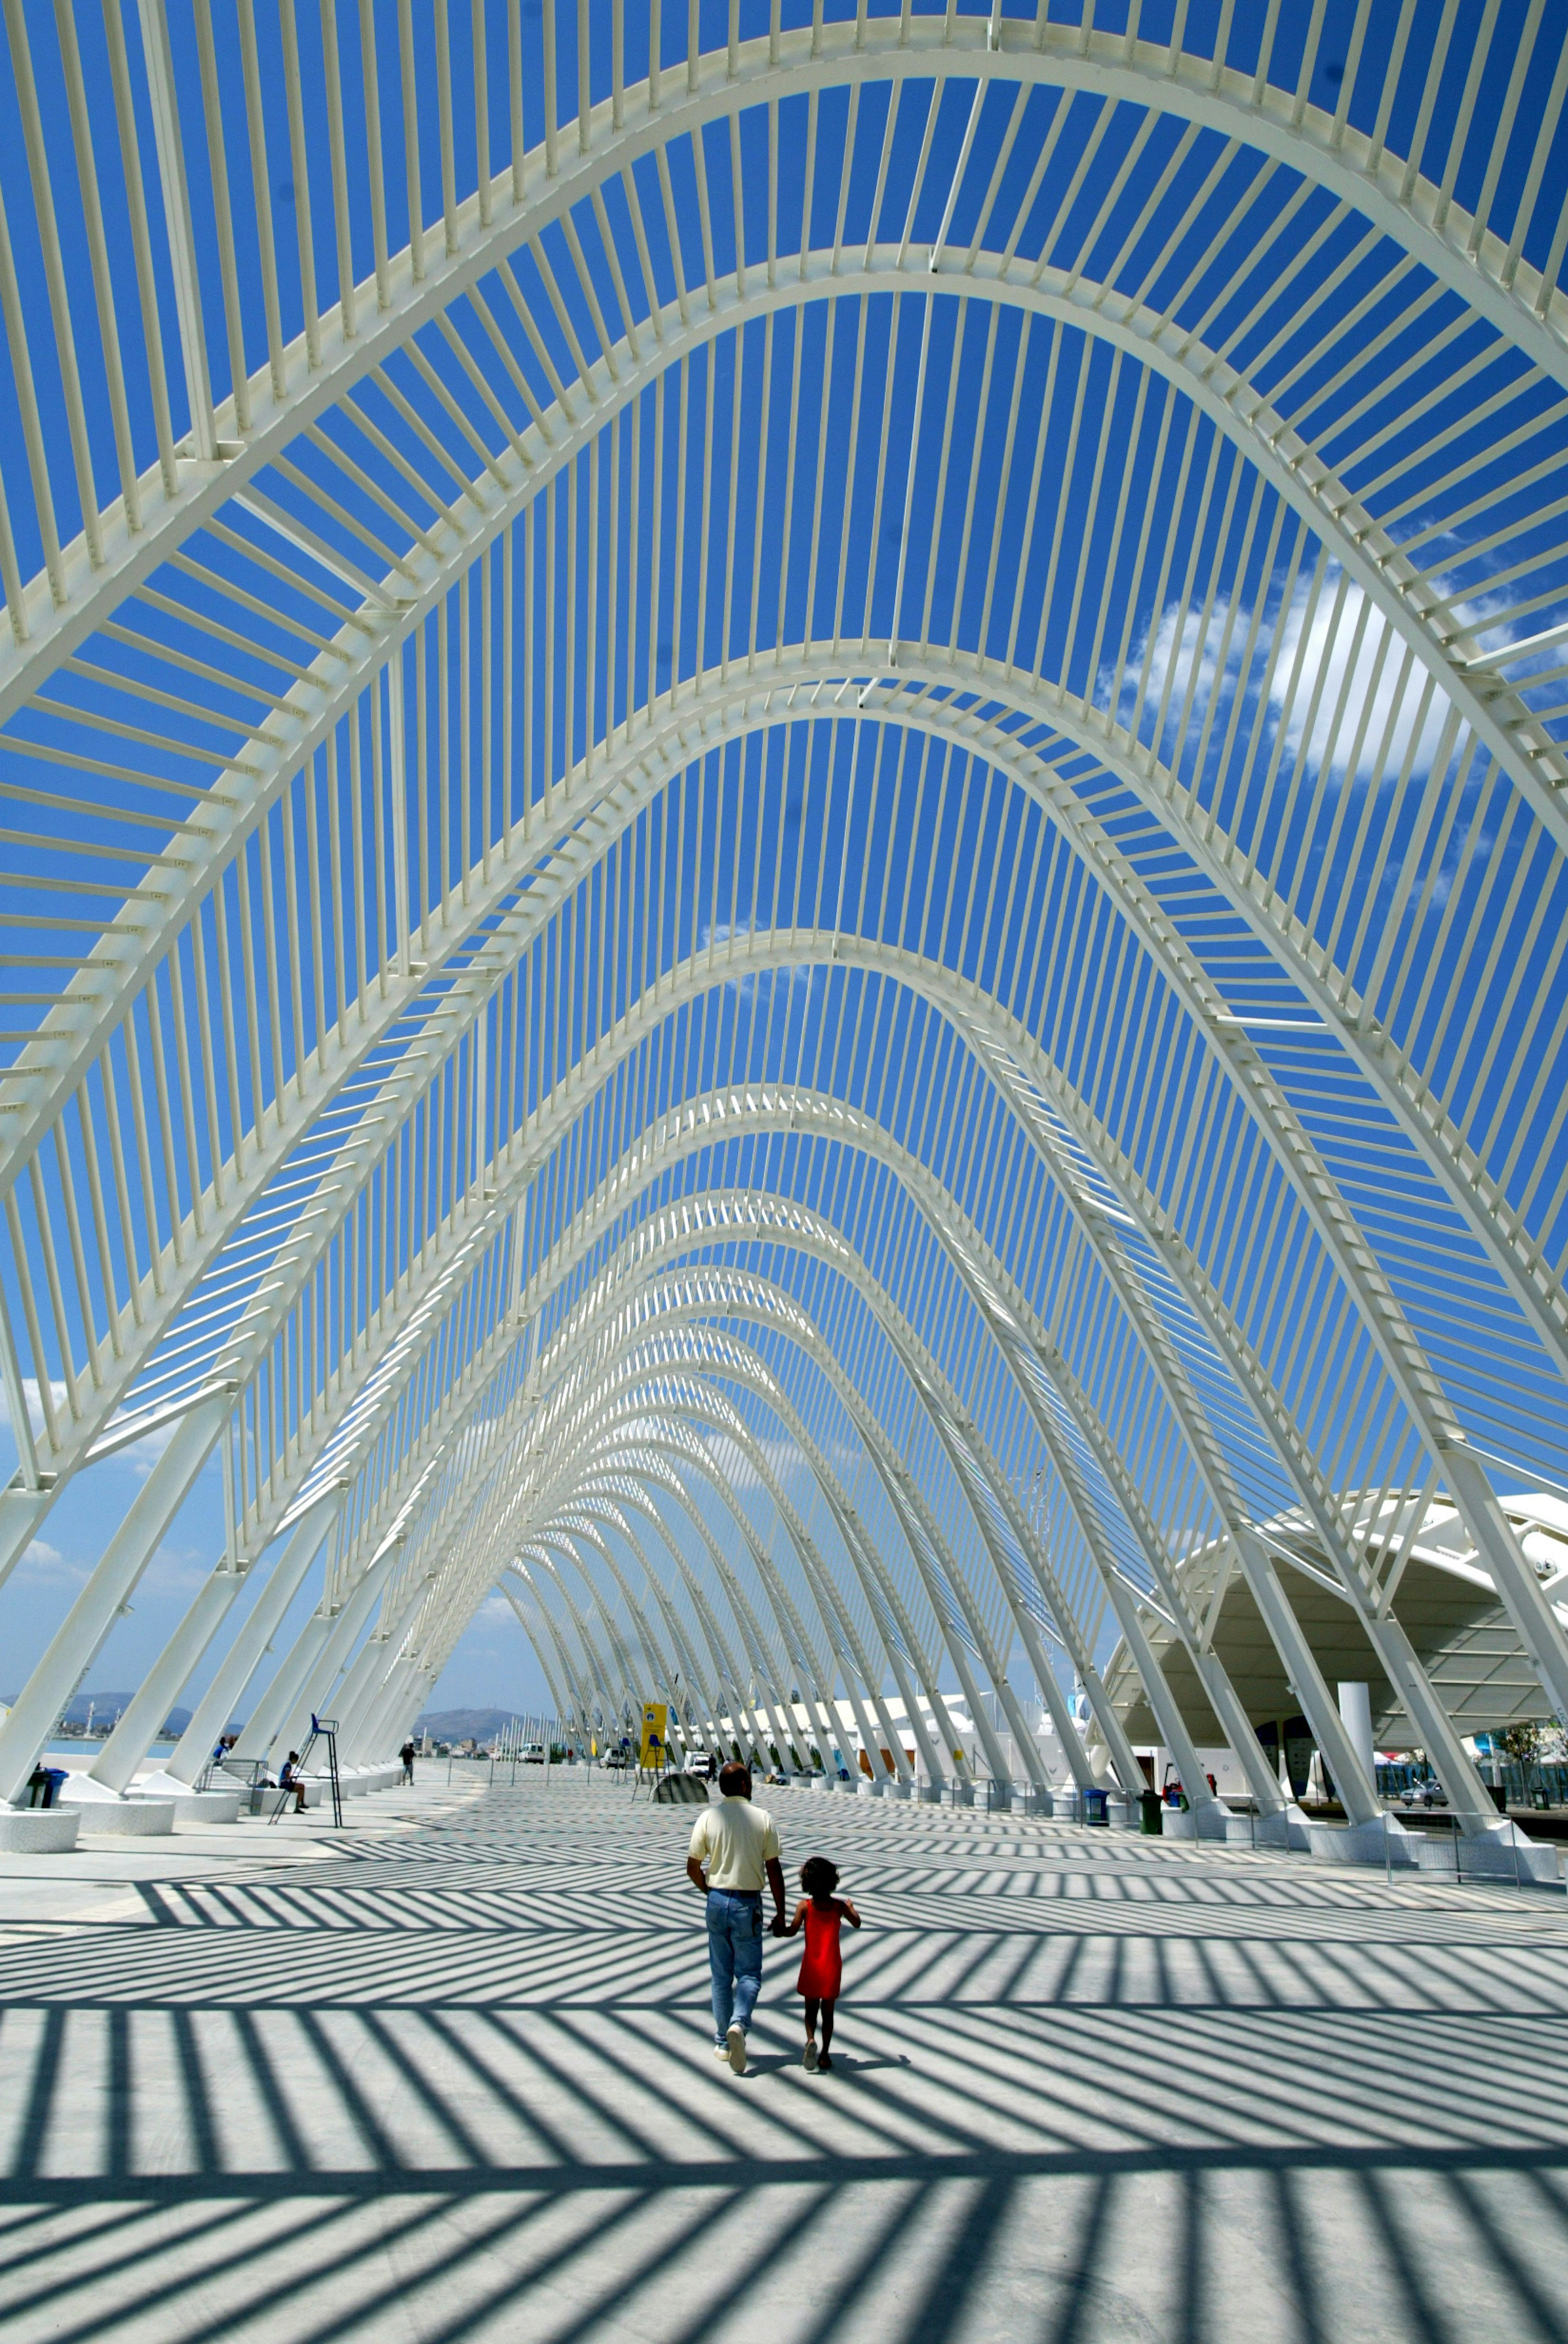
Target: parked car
{"type": "Point", "coordinates": [533, 1754]}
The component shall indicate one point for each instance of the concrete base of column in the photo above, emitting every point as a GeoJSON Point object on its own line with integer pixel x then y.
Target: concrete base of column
{"type": "Point", "coordinates": [1177, 1823]}
{"type": "Point", "coordinates": [220, 1804]}
{"type": "Point", "coordinates": [1215, 1821]}
{"type": "Point", "coordinates": [192, 1806]}
{"type": "Point", "coordinates": [931, 1795]}
{"type": "Point", "coordinates": [898, 1790]}
{"type": "Point", "coordinates": [1040, 1802]}
{"type": "Point", "coordinates": [963, 1794]}
{"type": "Point", "coordinates": [1504, 1852]}
{"type": "Point", "coordinates": [1288, 1828]}
{"type": "Point", "coordinates": [998, 1797]}
{"type": "Point", "coordinates": [38, 1830]}
{"type": "Point", "coordinates": [1383, 1841]}
{"type": "Point", "coordinates": [103, 1812]}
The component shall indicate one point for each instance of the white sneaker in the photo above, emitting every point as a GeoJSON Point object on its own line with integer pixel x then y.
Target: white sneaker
{"type": "Point", "coordinates": [809, 2058]}
{"type": "Point", "coordinates": [721, 2051]}
{"type": "Point", "coordinates": [735, 2048]}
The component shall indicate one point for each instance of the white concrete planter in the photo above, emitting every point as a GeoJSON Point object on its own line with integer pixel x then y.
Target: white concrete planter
{"type": "Point", "coordinates": [38, 1830]}
{"type": "Point", "coordinates": [194, 1807]}
{"type": "Point", "coordinates": [1177, 1823]}
{"type": "Point", "coordinates": [122, 1818]}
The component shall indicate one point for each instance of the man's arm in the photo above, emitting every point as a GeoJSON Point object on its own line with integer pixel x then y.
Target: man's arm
{"type": "Point", "coordinates": [695, 1875]}
{"type": "Point", "coordinates": [775, 1882]}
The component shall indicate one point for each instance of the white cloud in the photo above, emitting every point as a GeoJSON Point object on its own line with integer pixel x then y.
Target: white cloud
{"type": "Point", "coordinates": [1351, 699]}
{"type": "Point", "coordinates": [1349, 653]}
{"type": "Point", "coordinates": [40, 1560]}
{"type": "Point", "coordinates": [177, 1570]}
{"type": "Point", "coordinates": [32, 1398]}
{"type": "Point", "coordinates": [140, 1455]}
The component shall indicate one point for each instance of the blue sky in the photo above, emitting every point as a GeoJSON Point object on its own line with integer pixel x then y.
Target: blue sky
{"type": "Point", "coordinates": [1405, 860]}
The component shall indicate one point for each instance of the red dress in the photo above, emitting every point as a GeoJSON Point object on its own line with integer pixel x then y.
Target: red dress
{"type": "Point", "coordinates": [822, 1969]}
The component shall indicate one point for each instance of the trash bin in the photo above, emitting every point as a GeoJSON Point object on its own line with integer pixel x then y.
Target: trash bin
{"type": "Point", "coordinates": [57, 1777]}
{"type": "Point", "coordinates": [1095, 1804]}
{"type": "Point", "coordinates": [1149, 1805]}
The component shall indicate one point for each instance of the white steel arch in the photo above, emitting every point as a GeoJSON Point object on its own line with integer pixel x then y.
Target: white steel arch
{"type": "Point", "coordinates": [1030, 694]}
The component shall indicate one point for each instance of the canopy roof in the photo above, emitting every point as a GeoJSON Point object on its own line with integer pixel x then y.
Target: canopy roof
{"type": "Point", "coordinates": [785, 806]}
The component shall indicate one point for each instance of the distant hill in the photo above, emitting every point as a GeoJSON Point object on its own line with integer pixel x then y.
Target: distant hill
{"type": "Point", "coordinates": [463, 1725]}
{"type": "Point", "coordinates": [106, 1707]}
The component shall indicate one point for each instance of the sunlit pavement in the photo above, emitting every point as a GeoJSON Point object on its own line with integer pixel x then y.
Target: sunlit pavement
{"type": "Point", "coordinates": [451, 2077]}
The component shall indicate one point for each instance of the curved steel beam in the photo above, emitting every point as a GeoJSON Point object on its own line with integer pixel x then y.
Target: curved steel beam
{"type": "Point", "coordinates": [325, 359]}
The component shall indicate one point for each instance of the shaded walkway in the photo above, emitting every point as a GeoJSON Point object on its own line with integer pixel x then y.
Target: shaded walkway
{"type": "Point", "coordinates": [439, 2086]}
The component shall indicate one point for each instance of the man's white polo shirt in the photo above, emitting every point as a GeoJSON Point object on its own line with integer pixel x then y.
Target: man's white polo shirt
{"type": "Point", "coordinates": [732, 1842]}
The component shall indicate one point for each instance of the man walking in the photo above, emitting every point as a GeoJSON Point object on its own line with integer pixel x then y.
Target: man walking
{"type": "Point", "coordinates": [734, 1848]}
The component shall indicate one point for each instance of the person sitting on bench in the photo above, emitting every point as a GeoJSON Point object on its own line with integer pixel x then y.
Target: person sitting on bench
{"type": "Point", "coordinates": [289, 1778]}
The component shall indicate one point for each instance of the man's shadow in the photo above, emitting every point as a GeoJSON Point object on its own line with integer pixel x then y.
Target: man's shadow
{"type": "Point", "coordinates": [844, 2063]}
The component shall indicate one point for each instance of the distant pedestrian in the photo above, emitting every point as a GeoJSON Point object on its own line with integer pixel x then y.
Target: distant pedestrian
{"type": "Point", "coordinates": [292, 1779]}
{"type": "Point", "coordinates": [407, 1755]}
{"type": "Point", "coordinates": [713, 1766]}
{"type": "Point", "coordinates": [823, 1915]}
{"type": "Point", "coordinates": [735, 1848]}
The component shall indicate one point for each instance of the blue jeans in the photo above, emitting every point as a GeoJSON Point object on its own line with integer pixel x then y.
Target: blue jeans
{"type": "Point", "coordinates": [735, 1957]}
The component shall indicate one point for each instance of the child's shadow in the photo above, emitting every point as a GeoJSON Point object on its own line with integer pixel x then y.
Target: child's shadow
{"type": "Point", "coordinates": [842, 2065]}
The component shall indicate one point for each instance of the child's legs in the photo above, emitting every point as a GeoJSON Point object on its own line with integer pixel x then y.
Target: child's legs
{"type": "Point", "coordinates": [810, 2008]}
{"type": "Point", "coordinates": [828, 2006]}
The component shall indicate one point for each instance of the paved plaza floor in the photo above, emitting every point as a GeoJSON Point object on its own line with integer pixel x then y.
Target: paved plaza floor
{"type": "Point", "coordinates": [451, 2076]}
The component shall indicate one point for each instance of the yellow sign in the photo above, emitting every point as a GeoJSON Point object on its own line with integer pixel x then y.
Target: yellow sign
{"type": "Point", "coordinates": [656, 1730]}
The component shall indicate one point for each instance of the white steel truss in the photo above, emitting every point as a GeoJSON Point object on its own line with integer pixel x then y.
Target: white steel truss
{"type": "Point", "coordinates": [784, 837]}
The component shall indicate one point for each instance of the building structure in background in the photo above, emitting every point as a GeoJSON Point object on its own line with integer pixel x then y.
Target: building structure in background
{"type": "Point", "coordinates": [785, 832]}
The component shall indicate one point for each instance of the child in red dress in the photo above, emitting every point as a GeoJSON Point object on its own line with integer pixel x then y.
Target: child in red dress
{"type": "Point", "coordinates": [822, 1971]}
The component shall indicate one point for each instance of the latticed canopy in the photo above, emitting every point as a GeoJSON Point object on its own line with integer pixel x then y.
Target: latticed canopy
{"type": "Point", "coordinates": [784, 823]}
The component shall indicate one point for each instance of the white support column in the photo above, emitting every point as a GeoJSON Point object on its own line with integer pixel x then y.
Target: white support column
{"type": "Point", "coordinates": [239, 1663]}
{"type": "Point", "coordinates": [1356, 1710]}
{"type": "Point", "coordinates": [142, 1718]}
{"type": "Point", "coordinates": [1173, 1728]}
{"type": "Point", "coordinates": [76, 1642]}
{"type": "Point", "coordinates": [356, 1699]}
{"type": "Point", "coordinates": [318, 1682]}
{"type": "Point", "coordinates": [261, 1729]}
{"type": "Point", "coordinates": [1306, 1680]}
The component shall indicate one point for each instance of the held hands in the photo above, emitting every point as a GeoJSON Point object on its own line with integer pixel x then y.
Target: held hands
{"type": "Point", "coordinates": [778, 1927]}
